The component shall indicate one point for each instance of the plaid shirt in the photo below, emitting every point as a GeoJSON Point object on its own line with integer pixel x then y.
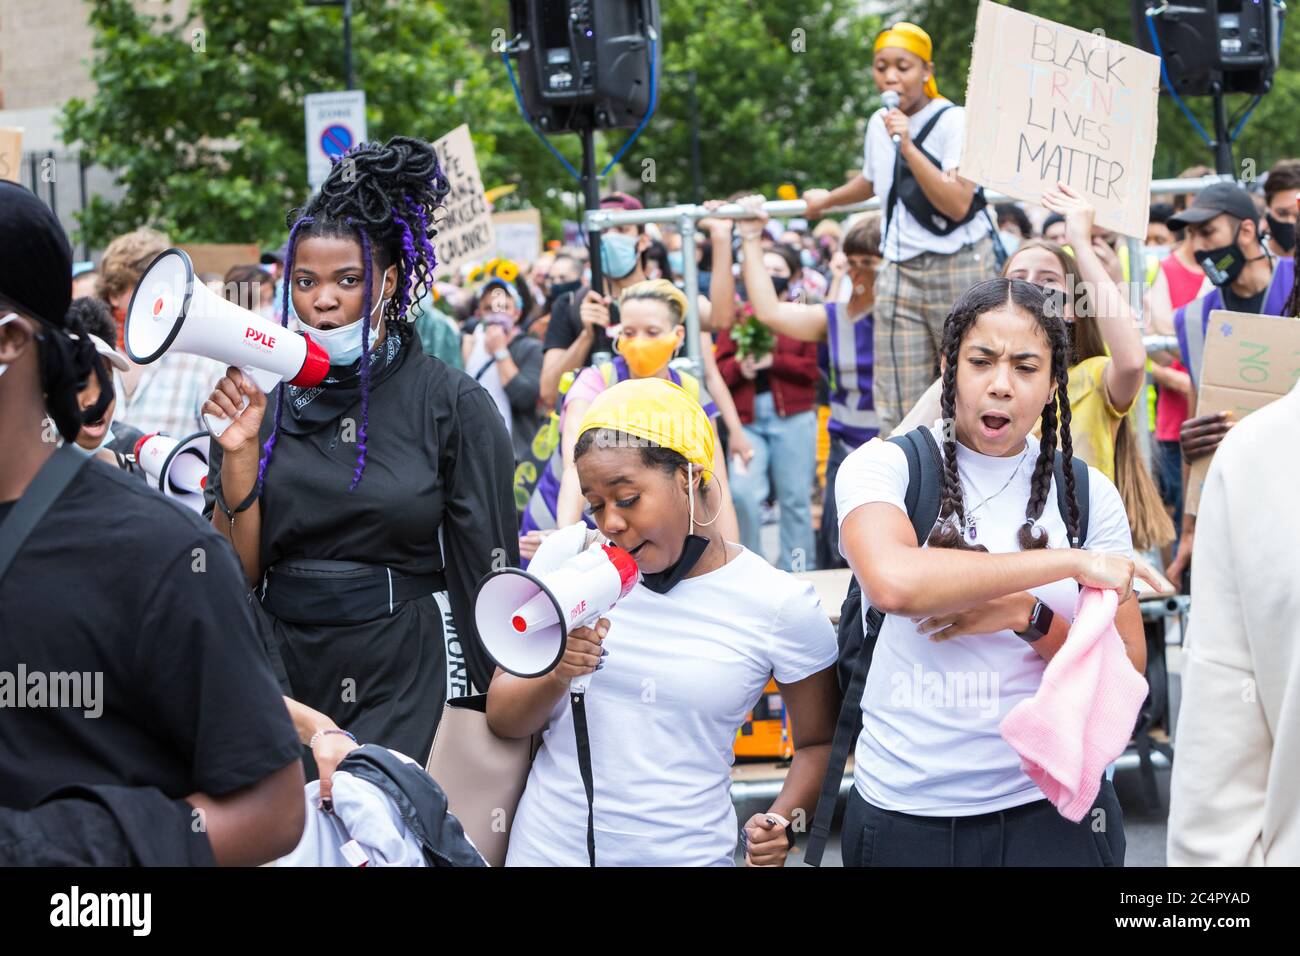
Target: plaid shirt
{"type": "Point", "coordinates": [170, 393]}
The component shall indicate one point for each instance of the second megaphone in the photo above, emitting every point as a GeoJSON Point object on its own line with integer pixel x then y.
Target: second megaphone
{"type": "Point", "coordinates": [171, 310]}
{"type": "Point", "coordinates": [523, 620]}
{"type": "Point", "coordinates": [176, 467]}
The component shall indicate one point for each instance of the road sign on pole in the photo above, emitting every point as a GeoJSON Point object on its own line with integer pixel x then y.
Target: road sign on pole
{"type": "Point", "coordinates": [335, 123]}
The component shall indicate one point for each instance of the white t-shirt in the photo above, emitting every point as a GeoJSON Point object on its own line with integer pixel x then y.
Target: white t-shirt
{"type": "Point", "coordinates": [930, 712]}
{"type": "Point", "coordinates": [491, 378]}
{"type": "Point", "coordinates": [945, 144]}
{"type": "Point", "coordinates": [683, 670]}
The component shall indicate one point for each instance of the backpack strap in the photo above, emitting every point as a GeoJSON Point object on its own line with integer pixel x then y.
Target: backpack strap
{"type": "Point", "coordinates": [1080, 469]}
{"type": "Point", "coordinates": [924, 480]}
{"type": "Point", "coordinates": [922, 499]}
{"type": "Point", "coordinates": [892, 199]}
{"type": "Point", "coordinates": [54, 476]}
{"type": "Point", "coordinates": [919, 138]}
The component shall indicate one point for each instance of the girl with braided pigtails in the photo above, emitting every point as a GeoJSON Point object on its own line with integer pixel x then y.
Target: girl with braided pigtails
{"type": "Point", "coordinates": [365, 510]}
{"type": "Point", "coordinates": [974, 613]}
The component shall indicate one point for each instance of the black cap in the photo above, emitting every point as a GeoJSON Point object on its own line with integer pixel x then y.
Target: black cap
{"type": "Point", "coordinates": [1214, 201]}
{"type": "Point", "coordinates": [280, 255]}
{"type": "Point", "coordinates": [35, 256]}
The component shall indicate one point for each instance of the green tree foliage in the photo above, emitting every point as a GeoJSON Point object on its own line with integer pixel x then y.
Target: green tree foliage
{"type": "Point", "coordinates": [205, 129]}
{"type": "Point", "coordinates": [784, 89]}
{"type": "Point", "coordinates": [202, 118]}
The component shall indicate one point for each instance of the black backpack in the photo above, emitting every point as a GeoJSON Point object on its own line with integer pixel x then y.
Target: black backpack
{"type": "Point", "coordinates": [924, 491]}
{"type": "Point", "coordinates": [908, 191]}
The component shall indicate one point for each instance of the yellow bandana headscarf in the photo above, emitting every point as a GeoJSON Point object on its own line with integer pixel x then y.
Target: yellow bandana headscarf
{"type": "Point", "coordinates": [910, 37]}
{"type": "Point", "coordinates": [656, 410]}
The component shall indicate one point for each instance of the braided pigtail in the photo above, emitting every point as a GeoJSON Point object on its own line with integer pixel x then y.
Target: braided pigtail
{"type": "Point", "coordinates": [1073, 520]}
{"type": "Point", "coordinates": [949, 530]}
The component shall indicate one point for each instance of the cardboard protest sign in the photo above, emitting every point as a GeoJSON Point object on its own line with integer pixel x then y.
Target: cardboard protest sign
{"type": "Point", "coordinates": [465, 228]}
{"type": "Point", "coordinates": [1046, 103]}
{"type": "Point", "coordinates": [518, 235]}
{"type": "Point", "coordinates": [1250, 361]}
{"type": "Point", "coordinates": [11, 152]}
{"type": "Point", "coordinates": [221, 257]}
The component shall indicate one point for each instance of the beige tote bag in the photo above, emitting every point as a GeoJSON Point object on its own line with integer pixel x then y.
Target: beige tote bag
{"type": "Point", "coordinates": [482, 774]}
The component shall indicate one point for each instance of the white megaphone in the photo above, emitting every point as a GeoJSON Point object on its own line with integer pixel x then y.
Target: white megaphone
{"type": "Point", "coordinates": [524, 619]}
{"type": "Point", "coordinates": [178, 467]}
{"type": "Point", "coordinates": [171, 311]}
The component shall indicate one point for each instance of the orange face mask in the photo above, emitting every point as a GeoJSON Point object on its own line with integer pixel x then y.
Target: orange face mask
{"type": "Point", "coordinates": [645, 355]}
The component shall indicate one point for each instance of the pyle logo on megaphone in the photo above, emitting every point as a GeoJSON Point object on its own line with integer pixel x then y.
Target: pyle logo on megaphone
{"type": "Point", "coordinates": [259, 339]}
{"type": "Point", "coordinates": [524, 620]}
{"type": "Point", "coordinates": [171, 311]}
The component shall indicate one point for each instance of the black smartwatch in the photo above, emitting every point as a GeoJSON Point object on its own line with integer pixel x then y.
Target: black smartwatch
{"type": "Point", "coordinates": [1040, 622]}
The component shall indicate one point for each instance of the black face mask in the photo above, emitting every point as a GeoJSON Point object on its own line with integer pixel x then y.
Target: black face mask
{"type": "Point", "coordinates": [66, 364]}
{"type": "Point", "coordinates": [661, 582]}
{"type": "Point", "coordinates": [780, 283]}
{"type": "Point", "coordinates": [1283, 233]}
{"type": "Point", "coordinates": [1072, 336]}
{"type": "Point", "coordinates": [560, 288]}
{"type": "Point", "coordinates": [1224, 264]}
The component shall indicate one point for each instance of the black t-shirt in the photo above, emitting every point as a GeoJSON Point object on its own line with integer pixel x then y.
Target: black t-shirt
{"type": "Point", "coordinates": [566, 326]}
{"type": "Point", "coordinates": [134, 590]}
{"type": "Point", "coordinates": [1252, 304]}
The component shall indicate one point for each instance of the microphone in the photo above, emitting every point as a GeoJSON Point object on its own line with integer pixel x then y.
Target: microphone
{"type": "Point", "coordinates": [889, 99]}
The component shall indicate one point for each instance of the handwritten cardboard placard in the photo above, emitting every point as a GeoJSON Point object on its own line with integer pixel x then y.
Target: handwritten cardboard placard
{"type": "Point", "coordinates": [1046, 103]}
{"type": "Point", "coordinates": [518, 234]}
{"type": "Point", "coordinates": [1250, 361]}
{"type": "Point", "coordinates": [220, 258]}
{"type": "Point", "coordinates": [11, 152]}
{"type": "Point", "coordinates": [465, 228]}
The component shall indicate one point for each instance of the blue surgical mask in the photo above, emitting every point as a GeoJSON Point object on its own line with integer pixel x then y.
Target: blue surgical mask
{"type": "Point", "coordinates": [807, 258]}
{"type": "Point", "coordinates": [1010, 242]}
{"type": "Point", "coordinates": [343, 345]}
{"type": "Point", "coordinates": [617, 255]}
{"type": "Point", "coordinates": [675, 262]}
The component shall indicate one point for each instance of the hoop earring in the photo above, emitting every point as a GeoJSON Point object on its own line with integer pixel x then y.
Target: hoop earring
{"type": "Point", "coordinates": [702, 524]}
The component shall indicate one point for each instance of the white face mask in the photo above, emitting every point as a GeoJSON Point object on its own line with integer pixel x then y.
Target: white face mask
{"type": "Point", "coordinates": [343, 345]}
{"type": "Point", "coordinates": [5, 320]}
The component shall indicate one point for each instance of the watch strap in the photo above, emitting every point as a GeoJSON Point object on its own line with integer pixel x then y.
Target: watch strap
{"type": "Point", "coordinates": [1040, 622]}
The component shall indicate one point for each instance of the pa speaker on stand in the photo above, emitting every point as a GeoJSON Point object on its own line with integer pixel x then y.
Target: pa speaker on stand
{"type": "Point", "coordinates": [586, 65]}
{"type": "Point", "coordinates": [1213, 48]}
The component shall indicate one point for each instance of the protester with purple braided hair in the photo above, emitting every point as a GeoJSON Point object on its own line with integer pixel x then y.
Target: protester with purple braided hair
{"type": "Point", "coordinates": [365, 510]}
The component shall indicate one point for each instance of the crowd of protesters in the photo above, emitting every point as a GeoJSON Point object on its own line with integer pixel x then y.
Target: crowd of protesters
{"type": "Point", "coordinates": [1007, 332]}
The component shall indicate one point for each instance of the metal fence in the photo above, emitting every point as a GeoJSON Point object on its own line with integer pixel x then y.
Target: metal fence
{"type": "Point", "coordinates": [684, 217]}
{"type": "Point", "coordinates": [65, 183]}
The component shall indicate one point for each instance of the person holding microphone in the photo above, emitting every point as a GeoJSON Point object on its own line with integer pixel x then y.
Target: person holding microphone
{"type": "Point", "coordinates": [935, 244]}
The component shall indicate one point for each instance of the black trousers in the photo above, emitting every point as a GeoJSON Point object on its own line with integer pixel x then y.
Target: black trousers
{"type": "Point", "coordinates": [1030, 835]}
{"type": "Point", "coordinates": [828, 535]}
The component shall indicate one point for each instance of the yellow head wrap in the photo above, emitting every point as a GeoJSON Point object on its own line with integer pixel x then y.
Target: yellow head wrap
{"type": "Point", "coordinates": [910, 37]}
{"type": "Point", "coordinates": [656, 410]}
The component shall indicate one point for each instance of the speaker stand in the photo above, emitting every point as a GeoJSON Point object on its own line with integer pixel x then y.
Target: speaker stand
{"type": "Point", "coordinates": [591, 194]}
{"type": "Point", "coordinates": [1224, 164]}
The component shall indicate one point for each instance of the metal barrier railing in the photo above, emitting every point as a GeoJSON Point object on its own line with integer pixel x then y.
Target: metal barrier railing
{"type": "Point", "coordinates": [686, 216]}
